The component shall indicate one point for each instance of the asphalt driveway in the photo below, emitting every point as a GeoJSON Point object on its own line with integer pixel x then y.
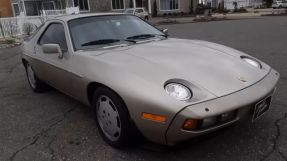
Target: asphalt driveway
{"type": "Point", "coordinates": [53, 126]}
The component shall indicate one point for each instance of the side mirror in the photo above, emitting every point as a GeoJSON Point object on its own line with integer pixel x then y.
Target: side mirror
{"type": "Point", "coordinates": [165, 31]}
{"type": "Point", "coordinates": [52, 49]}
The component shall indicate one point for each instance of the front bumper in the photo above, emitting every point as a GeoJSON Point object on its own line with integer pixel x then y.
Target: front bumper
{"type": "Point", "coordinates": [242, 101]}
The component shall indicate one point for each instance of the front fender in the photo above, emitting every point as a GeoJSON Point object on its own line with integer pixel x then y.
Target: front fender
{"type": "Point", "coordinates": [140, 89]}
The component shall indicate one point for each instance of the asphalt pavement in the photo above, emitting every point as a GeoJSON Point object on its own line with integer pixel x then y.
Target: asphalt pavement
{"type": "Point", "coordinates": [53, 126]}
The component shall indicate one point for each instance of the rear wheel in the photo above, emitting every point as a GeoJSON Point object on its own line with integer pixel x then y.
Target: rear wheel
{"type": "Point", "coordinates": [146, 19]}
{"type": "Point", "coordinates": [280, 6]}
{"type": "Point", "coordinates": [274, 7]}
{"type": "Point", "coordinates": [112, 117]}
{"type": "Point", "coordinates": [35, 83]}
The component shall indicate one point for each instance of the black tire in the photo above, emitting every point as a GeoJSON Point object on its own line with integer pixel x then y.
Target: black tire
{"type": "Point", "coordinates": [126, 130]}
{"type": "Point", "coordinates": [38, 86]}
{"type": "Point", "coordinates": [274, 7]}
{"type": "Point", "coordinates": [280, 7]}
{"type": "Point", "coordinates": [146, 19]}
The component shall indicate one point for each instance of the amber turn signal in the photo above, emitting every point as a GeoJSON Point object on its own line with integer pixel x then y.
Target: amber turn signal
{"type": "Point", "coordinates": [154, 117]}
{"type": "Point", "coordinates": [190, 124]}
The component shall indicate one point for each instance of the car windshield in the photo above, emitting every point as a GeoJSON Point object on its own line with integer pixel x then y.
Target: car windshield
{"type": "Point", "coordinates": [129, 11]}
{"type": "Point", "coordinates": [103, 31]}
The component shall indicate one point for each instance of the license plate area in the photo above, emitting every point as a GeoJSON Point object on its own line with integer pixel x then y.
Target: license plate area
{"type": "Point", "coordinates": [261, 107]}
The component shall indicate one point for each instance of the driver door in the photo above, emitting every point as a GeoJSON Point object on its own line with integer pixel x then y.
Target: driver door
{"type": "Point", "coordinates": [55, 70]}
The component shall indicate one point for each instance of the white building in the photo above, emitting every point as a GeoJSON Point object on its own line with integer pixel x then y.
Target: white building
{"type": "Point", "coordinates": [228, 4]}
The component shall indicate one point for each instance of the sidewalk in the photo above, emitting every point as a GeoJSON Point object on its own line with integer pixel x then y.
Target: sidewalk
{"type": "Point", "coordinates": [156, 20]}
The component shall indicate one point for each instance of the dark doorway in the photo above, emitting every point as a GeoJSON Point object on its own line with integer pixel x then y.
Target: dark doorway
{"type": "Point", "coordinates": [139, 3]}
{"type": "Point", "coordinates": [145, 4]}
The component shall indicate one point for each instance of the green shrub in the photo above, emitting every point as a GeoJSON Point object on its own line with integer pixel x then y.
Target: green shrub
{"type": "Point", "coordinates": [131, 4]}
{"type": "Point", "coordinates": [154, 9]}
{"type": "Point", "coordinates": [191, 7]}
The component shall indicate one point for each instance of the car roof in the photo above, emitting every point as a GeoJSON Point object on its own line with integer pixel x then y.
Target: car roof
{"type": "Point", "coordinates": [75, 16]}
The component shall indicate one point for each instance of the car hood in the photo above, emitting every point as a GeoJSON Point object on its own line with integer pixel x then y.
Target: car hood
{"type": "Point", "coordinates": [214, 67]}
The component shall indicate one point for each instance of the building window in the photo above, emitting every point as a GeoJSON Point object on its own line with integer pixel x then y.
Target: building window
{"type": "Point", "coordinates": [16, 9]}
{"type": "Point", "coordinates": [48, 5]}
{"type": "Point", "coordinates": [169, 5]}
{"type": "Point", "coordinates": [82, 4]}
{"type": "Point", "coordinates": [118, 4]}
{"type": "Point", "coordinates": [61, 4]}
{"type": "Point", "coordinates": [31, 8]}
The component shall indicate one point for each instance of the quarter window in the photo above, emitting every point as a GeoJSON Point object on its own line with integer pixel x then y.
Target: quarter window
{"type": "Point", "coordinates": [82, 4]}
{"type": "Point", "coordinates": [55, 34]}
{"type": "Point", "coordinates": [169, 4]}
{"type": "Point", "coordinates": [118, 4]}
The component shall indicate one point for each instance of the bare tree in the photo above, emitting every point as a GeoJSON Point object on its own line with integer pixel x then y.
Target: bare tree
{"type": "Point", "coordinates": [12, 24]}
{"type": "Point", "coordinates": [43, 18]}
{"type": "Point", "coordinates": [102, 5]}
{"type": "Point", "coordinates": [1, 29]}
{"type": "Point", "coordinates": [235, 5]}
{"type": "Point", "coordinates": [28, 28]}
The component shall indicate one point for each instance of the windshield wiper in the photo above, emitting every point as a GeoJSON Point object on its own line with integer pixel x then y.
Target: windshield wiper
{"type": "Point", "coordinates": [105, 41]}
{"type": "Point", "coordinates": [145, 36]}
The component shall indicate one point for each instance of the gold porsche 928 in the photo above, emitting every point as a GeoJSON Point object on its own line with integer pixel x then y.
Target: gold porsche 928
{"type": "Point", "coordinates": [136, 78]}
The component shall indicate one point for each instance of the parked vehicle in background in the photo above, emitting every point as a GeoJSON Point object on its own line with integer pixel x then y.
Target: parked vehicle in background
{"type": "Point", "coordinates": [279, 4]}
{"type": "Point", "coordinates": [140, 12]}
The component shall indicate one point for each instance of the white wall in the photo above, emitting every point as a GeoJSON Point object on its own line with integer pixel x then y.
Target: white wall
{"type": "Point", "coordinates": [229, 3]}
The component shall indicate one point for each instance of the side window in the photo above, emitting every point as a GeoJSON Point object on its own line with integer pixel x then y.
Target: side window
{"type": "Point", "coordinates": [55, 34]}
{"type": "Point", "coordinates": [140, 10]}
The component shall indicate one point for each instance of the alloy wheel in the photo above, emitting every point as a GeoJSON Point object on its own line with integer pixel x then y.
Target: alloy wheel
{"type": "Point", "coordinates": [108, 118]}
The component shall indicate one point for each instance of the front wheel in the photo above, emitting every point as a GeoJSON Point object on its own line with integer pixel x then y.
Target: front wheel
{"type": "Point", "coordinates": [35, 83]}
{"type": "Point", "coordinates": [112, 117]}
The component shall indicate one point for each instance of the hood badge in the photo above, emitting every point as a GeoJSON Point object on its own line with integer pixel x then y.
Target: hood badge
{"type": "Point", "coordinates": [242, 79]}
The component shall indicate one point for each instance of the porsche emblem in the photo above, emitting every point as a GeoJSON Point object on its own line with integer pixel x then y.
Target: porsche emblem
{"type": "Point", "coordinates": [242, 79]}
